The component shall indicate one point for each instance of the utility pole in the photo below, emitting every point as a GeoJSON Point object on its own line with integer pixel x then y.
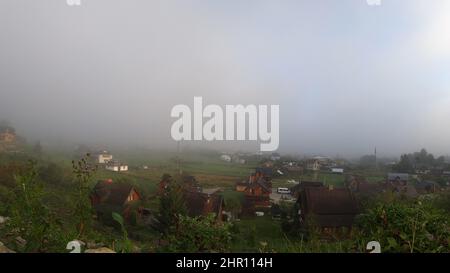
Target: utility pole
{"type": "Point", "coordinates": [178, 158]}
{"type": "Point", "coordinates": [376, 160]}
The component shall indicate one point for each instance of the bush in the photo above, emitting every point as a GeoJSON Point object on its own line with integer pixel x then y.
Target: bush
{"type": "Point", "coordinates": [171, 206]}
{"type": "Point", "coordinates": [406, 227]}
{"type": "Point", "coordinates": [31, 219]}
{"type": "Point", "coordinates": [199, 234]}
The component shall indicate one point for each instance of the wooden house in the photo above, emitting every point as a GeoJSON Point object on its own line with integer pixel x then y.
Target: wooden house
{"type": "Point", "coordinates": [102, 157]}
{"type": "Point", "coordinates": [362, 188]}
{"type": "Point", "coordinates": [107, 197]}
{"type": "Point", "coordinates": [202, 204]}
{"type": "Point", "coordinates": [8, 139]}
{"type": "Point", "coordinates": [190, 183]}
{"type": "Point", "coordinates": [327, 208]}
{"type": "Point", "coordinates": [257, 190]}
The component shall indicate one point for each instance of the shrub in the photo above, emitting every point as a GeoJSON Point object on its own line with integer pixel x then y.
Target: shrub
{"type": "Point", "coordinates": [406, 226]}
{"type": "Point", "coordinates": [199, 234]}
{"type": "Point", "coordinates": [31, 219]}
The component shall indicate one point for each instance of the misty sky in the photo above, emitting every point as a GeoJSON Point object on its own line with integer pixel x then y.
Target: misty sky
{"type": "Point", "coordinates": [347, 76]}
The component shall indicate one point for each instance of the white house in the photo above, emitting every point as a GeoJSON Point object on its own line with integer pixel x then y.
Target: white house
{"type": "Point", "coordinates": [103, 157]}
{"type": "Point", "coordinates": [226, 158]}
{"type": "Point", "coordinates": [337, 170]}
{"type": "Point", "coordinates": [116, 166]}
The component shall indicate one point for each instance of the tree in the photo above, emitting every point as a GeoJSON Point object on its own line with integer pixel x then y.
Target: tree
{"type": "Point", "coordinates": [417, 161]}
{"type": "Point", "coordinates": [199, 234]}
{"type": "Point", "coordinates": [405, 164]}
{"type": "Point", "coordinates": [405, 226]}
{"type": "Point", "coordinates": [171, 205]}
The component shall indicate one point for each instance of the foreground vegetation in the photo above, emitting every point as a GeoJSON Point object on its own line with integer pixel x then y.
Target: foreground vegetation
{"type": "Point", "coordinates": [46, 200]}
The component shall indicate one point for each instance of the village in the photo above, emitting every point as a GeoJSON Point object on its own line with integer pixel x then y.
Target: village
{"type": "Point", "coordinates": [264, 197]}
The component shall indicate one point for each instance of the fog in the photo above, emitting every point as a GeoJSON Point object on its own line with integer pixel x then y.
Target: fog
{"type": "Point", "coordinates": [348, 76]}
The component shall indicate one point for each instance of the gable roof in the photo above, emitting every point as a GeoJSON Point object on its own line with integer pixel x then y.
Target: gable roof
{"type": "Point", "coordinates": [305, 184]}
{"type": "Point", "coordinates": [329, 208]}
{"type": "Point", "coordinates": [264, 184]}
{"type": "Point", "coordinates": [263, 170]}
{"type": "Point", "coordinates": [190, 183]}
{"type": "Point", "coordinates": [110, 193]}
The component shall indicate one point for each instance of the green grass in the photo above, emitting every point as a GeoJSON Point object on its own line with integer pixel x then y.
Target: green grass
{"type": "Point", "coordinates": [253, 231]}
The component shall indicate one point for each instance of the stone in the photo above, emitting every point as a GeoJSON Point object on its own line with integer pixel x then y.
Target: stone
{"type": "Point", "coordinates": [21, 242]}
{"type": "Point", "coordinates": [100, 250]}
{"type": "Point", "coordinates": [3, 220]}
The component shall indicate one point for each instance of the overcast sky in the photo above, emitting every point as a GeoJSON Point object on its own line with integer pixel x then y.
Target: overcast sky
{"type": "Point", "coordinates": [347, 76]}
